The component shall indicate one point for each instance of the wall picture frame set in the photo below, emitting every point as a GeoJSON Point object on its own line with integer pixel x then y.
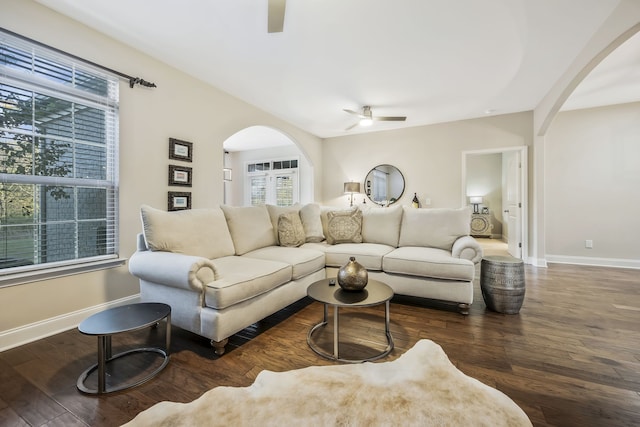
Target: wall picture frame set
{"type": "Point", "coordinates": [179, 175]}
{"type": "Point", "coordinates": [180, 150]}
{"type": "Point", "coordinates": [179, 200]}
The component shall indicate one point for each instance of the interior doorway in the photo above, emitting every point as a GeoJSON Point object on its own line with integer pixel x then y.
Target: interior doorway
{"type": "Point", "coordinates": [498, 177]}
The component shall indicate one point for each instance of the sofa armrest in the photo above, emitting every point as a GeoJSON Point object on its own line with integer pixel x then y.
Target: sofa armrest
{"type": "Point", "coordinates": [172, 269]}
{"type": "Point", "coordinates": [466, 247]}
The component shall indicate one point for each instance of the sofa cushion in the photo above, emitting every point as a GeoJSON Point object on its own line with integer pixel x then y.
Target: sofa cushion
{"type": "Point", "coordinates": [274, 216]}
{"type": "Point", "coordinates": [434, 228]}
{"type": "Point", "coordinates": [198, 232]}
{"type": "Point", "coordinates": [290, 230]}
{"type": "Point", "coordinates": [303, 261]}
{"type": "Point", "coordinates": [239, 279]}
{"type": "Point", "coordinates": [344, 226]}
{"type": "Point", "coordinates": [250, 227]}
{"type": "Point", "coordinates": [368, 255]}
{"type": "Point", "coordinates": [428, 262]}
{"type": "Point", "coordinates": [310, 217]}
{"type": "Point", "coordinates": [382, 225]}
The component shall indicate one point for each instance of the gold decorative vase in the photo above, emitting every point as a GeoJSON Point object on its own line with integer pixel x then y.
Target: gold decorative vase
{"type": "Point", "coordinates": [352, 276]}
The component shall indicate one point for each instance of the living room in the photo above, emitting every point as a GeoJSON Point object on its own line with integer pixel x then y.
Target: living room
{"type": "Point", "coordinates": [583, 171]}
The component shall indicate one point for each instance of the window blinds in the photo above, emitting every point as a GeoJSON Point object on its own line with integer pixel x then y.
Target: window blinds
{"type": "Point", "coordinates": [58, 159]}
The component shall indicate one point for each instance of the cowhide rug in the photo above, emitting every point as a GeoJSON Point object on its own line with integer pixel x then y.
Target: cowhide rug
{"type": "Point", "coordinates": [422, 387]}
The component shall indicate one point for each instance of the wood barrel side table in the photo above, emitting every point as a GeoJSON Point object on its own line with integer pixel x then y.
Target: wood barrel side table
{"type": "Point", "coordinates": [502, 283]}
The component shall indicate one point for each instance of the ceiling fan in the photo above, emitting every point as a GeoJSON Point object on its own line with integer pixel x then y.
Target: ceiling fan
{"type": "Point", "coordinates": [367, 118]}
{"type": "Point", "coordinates": [275, 22]}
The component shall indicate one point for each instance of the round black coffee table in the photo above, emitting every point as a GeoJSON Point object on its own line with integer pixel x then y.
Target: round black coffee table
{"type": "Point", "coordinates": [331, 294]}
{"type": "Point", "coordinates": [116, 320]}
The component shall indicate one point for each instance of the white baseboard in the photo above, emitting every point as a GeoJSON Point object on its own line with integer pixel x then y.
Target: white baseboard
{"type": "Point", "coordinates": [34, 331]}
{"type": "Point", "coordinates": [596, 262]}
{"type": "Point", "coordinates": [537, 262]}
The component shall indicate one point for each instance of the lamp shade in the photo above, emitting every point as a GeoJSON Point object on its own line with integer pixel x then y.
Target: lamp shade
{"type": "Point", "coordinates": [475, 199]}
{"type": "Point", "coordinates": [351, 187]}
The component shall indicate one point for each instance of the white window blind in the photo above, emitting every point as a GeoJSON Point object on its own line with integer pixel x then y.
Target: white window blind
{"type": "Point", "coordinates": [58, 160]}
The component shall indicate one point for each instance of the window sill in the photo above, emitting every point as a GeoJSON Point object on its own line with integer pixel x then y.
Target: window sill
{"type": "Point", "coordinates": [22, 277]}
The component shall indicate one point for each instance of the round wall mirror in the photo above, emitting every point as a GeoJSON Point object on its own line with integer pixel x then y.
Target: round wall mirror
{"type": "Point", "coordinates": [384, 185]}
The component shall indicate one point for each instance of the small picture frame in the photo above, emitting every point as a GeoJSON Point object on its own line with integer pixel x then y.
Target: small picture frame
{"type": "Point", "coordinates": [179, 201]}
{"type": "Point", "coordinates": [180, 175]}
{"type": "Point", "coordinates": [180, 150]}
{"type": "Point", "coordinates": [485, 210]}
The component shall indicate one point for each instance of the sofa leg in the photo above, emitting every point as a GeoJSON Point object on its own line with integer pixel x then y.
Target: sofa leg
{"type": "Point", "coordinates": [218, 346]}
{"type": "Point", "coordinates": [463, 308]}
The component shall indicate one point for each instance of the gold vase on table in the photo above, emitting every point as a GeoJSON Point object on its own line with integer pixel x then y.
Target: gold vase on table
{"type": "Point", "coordinates": [352, 276]}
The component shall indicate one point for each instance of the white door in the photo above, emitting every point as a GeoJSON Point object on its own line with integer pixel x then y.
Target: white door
{"type": "Point", "coordinates": [512, 203]}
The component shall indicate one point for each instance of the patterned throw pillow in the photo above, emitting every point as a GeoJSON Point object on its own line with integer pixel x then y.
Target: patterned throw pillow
{"type": "Point", "coordinates": [344, 226]}
{"type": "Point", "coordinates": [290, 230]}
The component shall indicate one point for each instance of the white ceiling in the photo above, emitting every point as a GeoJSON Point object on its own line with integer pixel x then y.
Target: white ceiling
{"type": "Point", "coordinates": [430, 60]}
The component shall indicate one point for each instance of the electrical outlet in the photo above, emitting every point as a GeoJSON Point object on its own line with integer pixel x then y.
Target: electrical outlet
{"type": "Point", "coordinates": [427, 202]}
{"type": "Point", "coordinates": [588, 244]}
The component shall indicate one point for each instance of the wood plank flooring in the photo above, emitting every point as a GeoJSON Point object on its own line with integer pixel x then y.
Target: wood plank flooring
{"type": "Point", "coordinates": [571, 357]}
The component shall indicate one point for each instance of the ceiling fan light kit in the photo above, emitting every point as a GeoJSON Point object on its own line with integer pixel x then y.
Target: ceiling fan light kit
{"type": "Point", "coordinates": [367, 118]}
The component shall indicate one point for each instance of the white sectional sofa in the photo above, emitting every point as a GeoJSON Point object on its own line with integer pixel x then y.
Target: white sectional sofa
{"type": "Point", "coordinates": [226, 268]}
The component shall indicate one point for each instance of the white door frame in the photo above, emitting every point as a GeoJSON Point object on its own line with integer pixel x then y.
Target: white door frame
{"type": "Point", "coordinates": [524, 217]}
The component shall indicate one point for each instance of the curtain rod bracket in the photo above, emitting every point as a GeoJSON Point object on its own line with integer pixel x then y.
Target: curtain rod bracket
{"type": "Point", "coordinates": [137, 80]}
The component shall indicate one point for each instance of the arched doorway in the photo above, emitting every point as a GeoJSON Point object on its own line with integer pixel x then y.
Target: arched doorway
{"type": "Point", "coordinates": [564, 124]}
{"type": "Point", "coordinates": [263, 165]}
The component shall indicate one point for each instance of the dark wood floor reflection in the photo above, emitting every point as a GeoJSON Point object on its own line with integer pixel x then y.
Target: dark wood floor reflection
{"type": "Point", "coordinates": [571, 357]}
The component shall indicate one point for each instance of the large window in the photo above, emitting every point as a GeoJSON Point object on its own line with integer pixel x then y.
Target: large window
{"type": "Point", "coordinates": [58, 160]}
{"type": "Point", "coordinates": [273, 182]}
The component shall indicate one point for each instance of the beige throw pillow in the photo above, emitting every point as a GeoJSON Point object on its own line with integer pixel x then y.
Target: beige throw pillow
{"type": "Point", "coordinates": [198, 232]}
{"type": "Point", "coordinates": [344, 226]}
{"type": "Point", "coordinates": [290, 230]}
{"type": "Point", "coordinates": [250, 227]}
{"type": "Point", "coordinates": [274, 214]}
{"type": "Point", "coordinates": [310, 217]}
{"type": "Point", "coordinates": [434, 228]}
{"type": "Point", "coordinates": [382, 225]}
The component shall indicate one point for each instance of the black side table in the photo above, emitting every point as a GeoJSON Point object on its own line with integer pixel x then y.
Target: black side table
{"type": "Point", "coordinates": [116, 320]}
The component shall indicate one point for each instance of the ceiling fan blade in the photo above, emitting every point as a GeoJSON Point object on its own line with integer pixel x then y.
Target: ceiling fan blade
{"type": "Point", "coordinates": [354, 113]}
{"type": "Point", "coordinates": [276, 16]}
{"type": "Point", "coordinates": [389, 119]}
{"type": "Point", "coordinates": [352, 126]}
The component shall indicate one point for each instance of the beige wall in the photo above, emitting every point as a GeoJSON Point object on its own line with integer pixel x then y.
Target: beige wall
{"type": "Point", "coordinates": [180, 107]}
{"type": "Point", "coordinates": [429, 157]}
{"type": "Point", "coordinates": [592, 174]}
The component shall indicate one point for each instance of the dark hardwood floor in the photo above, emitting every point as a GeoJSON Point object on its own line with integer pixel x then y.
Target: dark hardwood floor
{"type": "Point", "coordinates": [571, 357]}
